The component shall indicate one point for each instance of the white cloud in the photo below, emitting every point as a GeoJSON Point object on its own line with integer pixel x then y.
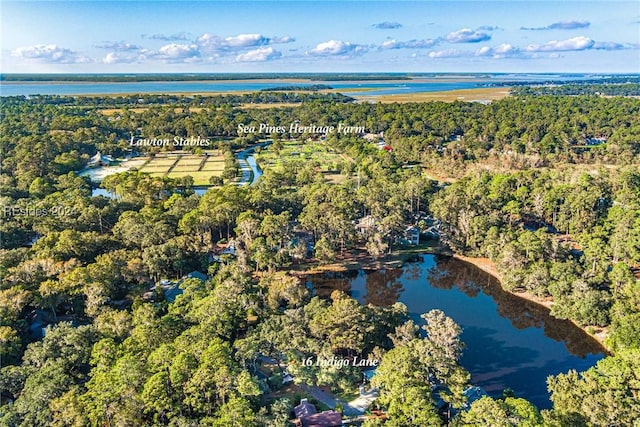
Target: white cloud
{"type": "Point", "coordinates": [246, 40]}
{"type": "Point", "coordinates": [562, 25]}
{"type": "Point", "coordinates": [50, 53]}
{"type": "Point", "coordinates": [387, 25]}
{"type": "Point", "coordinates": [488, 28]}
{"type": "Point", "coordinates": [114, 58]}
{"type": "Point", "coordinates": [337, 48]}
{"type": "Point", "coordinates": [448, 53]}
{"type": "Point", "coordinates": [212, 43]}
{"type": "Point", "coordinates": [411, 44]}
{"type": "Point", "coordinates": [574, 43]}
{"type": "Point", "coordinates": [610, 46]}
{"type": "Point", "coordinates": [177, 52]}
{"type": "Point", "coordinates": [167, 37]}
{"type": "Point", "coordinates": [118, 46]}
{"type": "Point", "coordinates": [501, 51]}
{"type": "Point", "coordinates": [467, 35]}
{"type": "Point", "coordinates": [283, 39]}
{"type": "Point", "coordinates": [261, 54]}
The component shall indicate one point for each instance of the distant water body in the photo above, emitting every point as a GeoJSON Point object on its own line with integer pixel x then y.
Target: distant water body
{"type": "Point", "coordinates": [373, 88]}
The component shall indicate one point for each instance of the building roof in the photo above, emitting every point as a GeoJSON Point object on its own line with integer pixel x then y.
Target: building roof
{"type": "Point", "coordinates": [100, 158]}
{"type": "Point", "coordinates": [323, 419]}
{"type": "Point", "coordinates": [474, 393]}
{"type": "Point", "coordinates": [304, 409]}
{"type": "Point", "coordinates": [197, 275]}
{"type": "Point", "coordinates": [172, 292]}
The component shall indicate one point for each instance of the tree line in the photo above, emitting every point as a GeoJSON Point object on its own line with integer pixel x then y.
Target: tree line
{"type": "Point", "coordinates": [113, 357]}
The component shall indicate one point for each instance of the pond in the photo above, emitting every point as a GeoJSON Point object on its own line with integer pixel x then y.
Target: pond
{"type": "Point", "coordinates": [509, 342]}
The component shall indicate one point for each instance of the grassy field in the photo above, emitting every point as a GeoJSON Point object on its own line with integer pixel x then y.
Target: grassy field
{"type": "Point", "coordinates": [326, 159]}
{"type": "Point", "coordinates": [177, 166]}
{"type": "Point", "coordinates": [480, 94]}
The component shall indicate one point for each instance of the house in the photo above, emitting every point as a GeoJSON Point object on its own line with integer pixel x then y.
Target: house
{"type": "Point", "coordinates": [195, 275]}
{"type": "Point", "coordinates": [596, 141]}
{"type": "Point", "coordinates": [100, 160]}
{"type": "Point", "coordinates": [38, 321]}
{"type": "Point", "coordinates": [308, 416]}
{"type": "Point", "coordinates": [304, 409]}
{"type": "Point", "coordinates": [366, 225]}
{"type": "Point", "coordinates": [323, 419]}
{"type": "Point", "coordinates": [230, 249]}
{"type": "Point", "coordinates": [412, 235]}
{"type": "Point", "coordinates": [432, 233]}
{"type": "Point", "coordinates": [172, 289]}
{"type": "Point", "coordinates": [472, 394]}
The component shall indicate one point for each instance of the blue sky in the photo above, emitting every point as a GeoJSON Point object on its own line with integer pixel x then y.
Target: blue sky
{"type": "Point", "coordinates": [310, 36]}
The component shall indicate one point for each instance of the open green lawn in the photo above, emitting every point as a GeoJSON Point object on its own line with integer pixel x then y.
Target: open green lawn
{"type": "Point", "coordinates": [190, 161]}
{"type": "Point", "coordinates": [162, 161]}
{"type": "Point", "coordinates": [214, 163]}
{"type": "Point", "coordinates": [185, 165]}
{"type": "Point", "coordinates": [173, 166]}
{"type": "Point", "coordinates": [213, 167]}
{"type": "Point", "coordinates": [155, 169]}
{"type": "Point", "coordinates": [199, 178]}
{"type": "Point", "coordinates": [326, 159]}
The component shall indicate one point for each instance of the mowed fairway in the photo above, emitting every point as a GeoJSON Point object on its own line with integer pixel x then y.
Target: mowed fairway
{"type": "Point", "coordinates": [199, 167]}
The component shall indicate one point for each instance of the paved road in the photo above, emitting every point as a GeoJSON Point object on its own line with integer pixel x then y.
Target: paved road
{"type": "Point", "coordinates": [351, 409]}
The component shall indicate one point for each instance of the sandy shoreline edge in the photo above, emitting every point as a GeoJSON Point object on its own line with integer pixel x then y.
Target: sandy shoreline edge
{"type": "Point", "coordinates": [489, 267]}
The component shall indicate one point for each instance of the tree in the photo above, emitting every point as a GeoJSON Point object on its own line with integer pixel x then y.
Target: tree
{"type": "Point", "coordinates": [444, 333]}
{"type": "Point", "coordinates": [603, 395]}
{"type": "Point", "coordinates": [404, 388]}
{"type": "Point", "coordinates": [10, 345]}
{"type": "Point", "coordinates": [236, 413]}
{"type": "Point", "coordinates": [486, 412]}
{"type": "Point", "coordinates": [283, 288]}
{"type": "Point", "coordinates": [324, 251]}
{"type": "Point", "coordinates": [625, 332]}
{"type": "Point", "coordinates": [376, 246]}
{"type": "Point", "coordinates": [342, 324]}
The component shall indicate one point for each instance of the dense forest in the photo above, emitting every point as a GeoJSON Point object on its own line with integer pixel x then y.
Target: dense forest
{"type": "Point", "coordinates": [603, 89]}
{"type": "Point", "coordinates": [270, 96]}
{"type": "Point", "coordinates": [547, 187]}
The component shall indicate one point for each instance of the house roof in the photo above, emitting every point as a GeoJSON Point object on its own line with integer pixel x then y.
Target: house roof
{"type": "Point", "coordinates": [172, 292]}
{"type": "Point", "coordinates": [323, 419]}
{"type": "Point", "coordinates": [197, 275]}
{"type": "Point", "coordinates": [99, 157]}
{"type": "Point", "coordinates": [474, 393]}
{"type": "Point", "coordinates": [304, 409]}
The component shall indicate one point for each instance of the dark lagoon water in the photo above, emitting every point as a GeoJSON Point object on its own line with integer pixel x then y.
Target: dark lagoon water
{"type": "Point", "coordinates": [510, 342]}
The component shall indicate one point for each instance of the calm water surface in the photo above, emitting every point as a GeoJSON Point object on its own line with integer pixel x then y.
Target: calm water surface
{"type": "Point", "coordinates": [372, 88]}
{"type": "Point", "coordinates": [510, 342]}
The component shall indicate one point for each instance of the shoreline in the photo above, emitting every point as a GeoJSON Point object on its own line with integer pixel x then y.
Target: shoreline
{"type": "Point", "coordinates": [489, 267]}
{"type": "Point", "coordinates": [479, 94]}
{"type": "Point", "coordinates": [361, 261]}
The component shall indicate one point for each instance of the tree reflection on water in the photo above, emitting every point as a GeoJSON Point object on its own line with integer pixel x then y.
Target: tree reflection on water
{"type": "Point", "coordinates": [385, 287]}
{"type": "Point", "coordinates": [450, 272]}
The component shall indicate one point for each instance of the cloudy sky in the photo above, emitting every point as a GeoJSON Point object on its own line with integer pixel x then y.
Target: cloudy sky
{"type": "Point", "coordinates": [314, 36]}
